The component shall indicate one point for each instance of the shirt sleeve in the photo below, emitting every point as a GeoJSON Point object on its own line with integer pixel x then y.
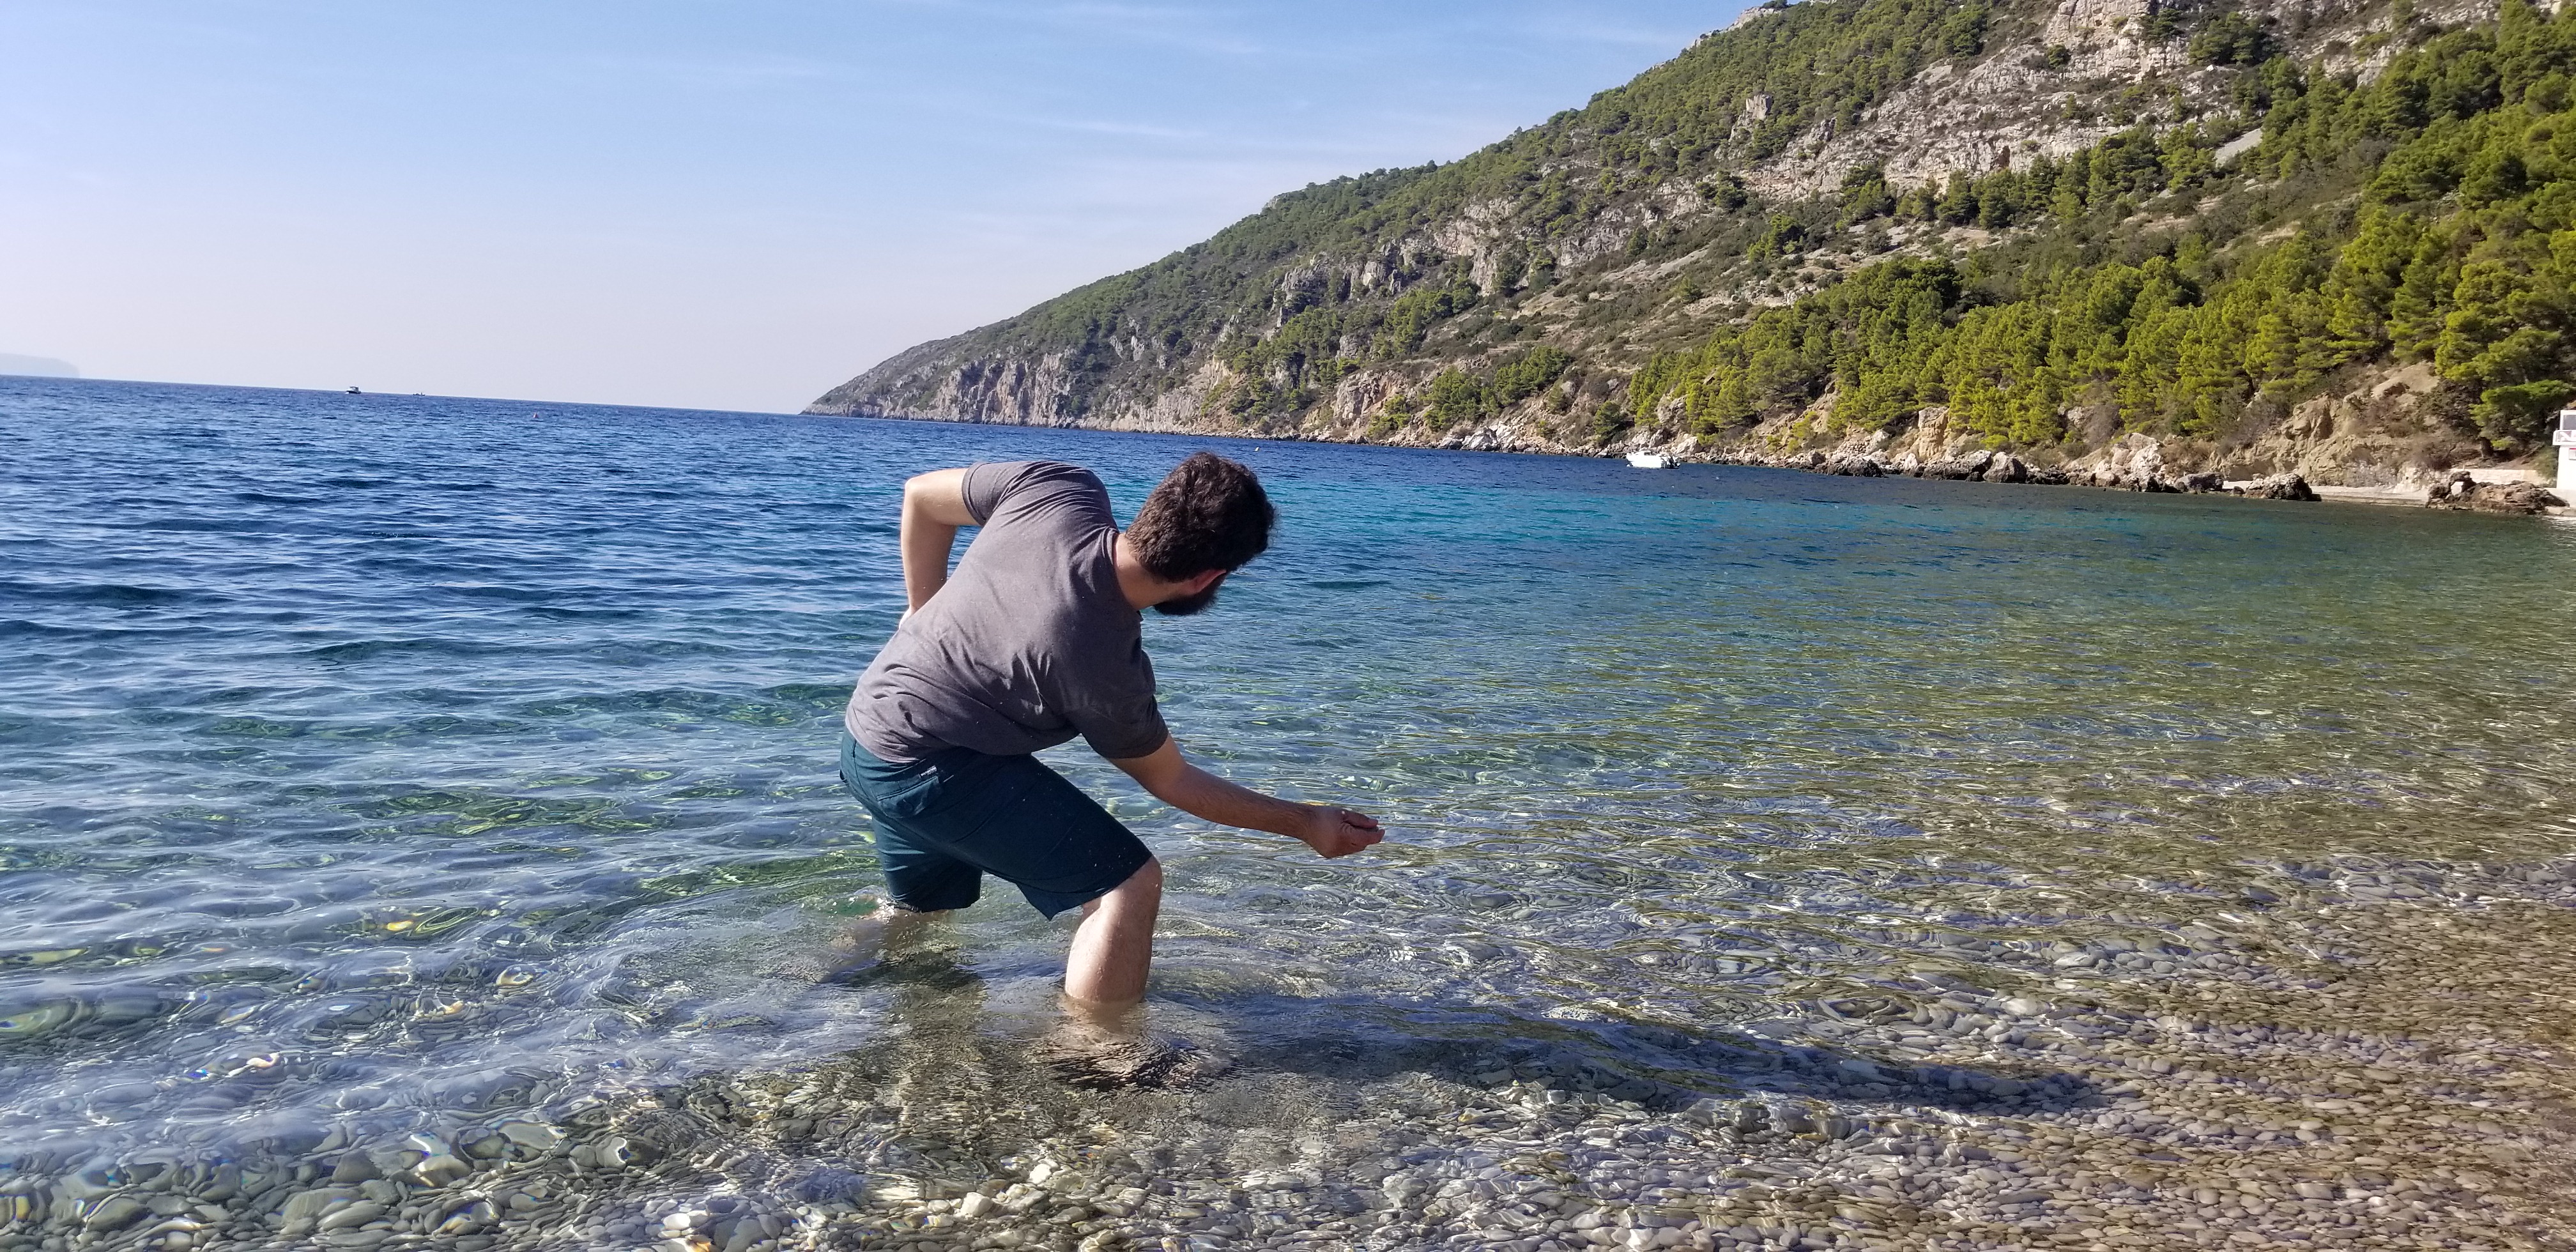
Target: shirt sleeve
{"type": "Point", "coordinates": [995, 489]}
{"type": "Point", "coordinates": [1119, 717]}
{"type": "Point", "coordinates": [986, 482]}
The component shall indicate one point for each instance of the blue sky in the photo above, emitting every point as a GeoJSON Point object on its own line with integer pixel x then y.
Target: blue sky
{"type": "Point", "coordinates": [721, 205]}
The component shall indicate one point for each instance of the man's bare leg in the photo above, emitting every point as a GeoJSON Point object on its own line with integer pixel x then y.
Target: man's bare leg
{"type": "Point", "coordinates": [879, 935]}
{"type": "Point", "coordinates": [1113, 949]}
{"type": "Point", "coordinates": [1103, 1041]}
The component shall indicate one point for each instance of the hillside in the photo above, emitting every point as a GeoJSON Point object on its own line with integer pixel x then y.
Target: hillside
{"type": "Point", "coordinates": [2337, 238]}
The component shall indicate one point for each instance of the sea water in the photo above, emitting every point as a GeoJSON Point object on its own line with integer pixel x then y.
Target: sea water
{"type": "Point", "coordinates": [372, 763]}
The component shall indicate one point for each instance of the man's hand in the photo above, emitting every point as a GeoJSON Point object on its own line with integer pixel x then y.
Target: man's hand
{"type": "Point", "coordinates": [1333, 832]}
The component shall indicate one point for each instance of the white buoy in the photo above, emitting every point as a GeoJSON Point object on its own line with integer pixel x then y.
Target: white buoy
{"type": "Point", "coordinates": [2565, 438]}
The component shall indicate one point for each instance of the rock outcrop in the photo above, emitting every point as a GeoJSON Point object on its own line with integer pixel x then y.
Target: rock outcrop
{"type": "Point", "coordinates": [2463, 492]}
{"type": "Point", "coordinates": [2277, 487]}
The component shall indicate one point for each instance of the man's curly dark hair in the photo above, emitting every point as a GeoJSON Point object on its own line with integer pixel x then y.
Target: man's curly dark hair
{"type": "Point", "coordinates": [1208, 513]}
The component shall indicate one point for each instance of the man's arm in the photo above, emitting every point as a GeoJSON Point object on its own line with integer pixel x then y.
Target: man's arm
{"type": "Point", "coordinates": [1329, 831]}
{"type": "Point", "coordinates": [934, 506]}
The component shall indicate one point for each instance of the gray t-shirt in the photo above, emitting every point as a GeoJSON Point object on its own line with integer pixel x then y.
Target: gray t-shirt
{"type": "Point", "coordinates": [1029, 644]}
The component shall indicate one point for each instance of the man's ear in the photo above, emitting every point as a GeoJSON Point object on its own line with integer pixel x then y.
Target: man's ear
{"type": "Point", "coordinates": [1203, 580]}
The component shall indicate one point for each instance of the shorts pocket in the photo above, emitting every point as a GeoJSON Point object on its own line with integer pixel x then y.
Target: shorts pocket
{"type": "Point", "coordinates": [912, 797]}
{"type": "Point", "coordinates": [924, 788]}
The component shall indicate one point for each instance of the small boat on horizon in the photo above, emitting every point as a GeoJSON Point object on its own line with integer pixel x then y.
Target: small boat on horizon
{"type": "Point", "coordinates": [355, 392]}
{"type": "Point", "coordinates": [1647, 460]}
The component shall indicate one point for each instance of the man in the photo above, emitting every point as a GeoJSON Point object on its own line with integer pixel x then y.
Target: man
{"type": "Point", "coordinates": [1035, 639]}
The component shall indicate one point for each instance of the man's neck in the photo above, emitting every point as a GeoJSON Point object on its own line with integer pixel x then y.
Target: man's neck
{"type": "Point", "coordinates": [1138, 584]}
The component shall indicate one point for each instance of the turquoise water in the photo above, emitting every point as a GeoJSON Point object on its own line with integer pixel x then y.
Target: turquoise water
{"type": "Point", "coordinates": [393, 763]}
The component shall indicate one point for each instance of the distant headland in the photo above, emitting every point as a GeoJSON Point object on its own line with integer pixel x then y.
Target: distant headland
{"type": "Point", "coordinates": [37, 366]}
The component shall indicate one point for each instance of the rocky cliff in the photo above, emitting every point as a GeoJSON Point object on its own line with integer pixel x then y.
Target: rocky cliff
{"type": "Point", "coordinates": [2327, 237]}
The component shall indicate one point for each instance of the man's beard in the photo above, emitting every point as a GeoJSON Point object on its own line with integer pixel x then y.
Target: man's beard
{"type": "Point", "coordinates": [1189, 605]}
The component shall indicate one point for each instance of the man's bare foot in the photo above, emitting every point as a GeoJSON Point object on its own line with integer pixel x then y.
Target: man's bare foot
{"type": "Point", "coordinates": [1108, 1047]}
{"type": "Point", "coordinates": [873, 943]}
{"type": "Point", "coordinates": [1147, 1064]}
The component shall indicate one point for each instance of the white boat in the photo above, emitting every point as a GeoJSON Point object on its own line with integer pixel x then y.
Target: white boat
{"type": "Point", "coordinates": [1647, 460]}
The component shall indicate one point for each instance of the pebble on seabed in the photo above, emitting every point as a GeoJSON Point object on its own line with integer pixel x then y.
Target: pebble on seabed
{"type": "Point", "coordinates": [2395, 1092]}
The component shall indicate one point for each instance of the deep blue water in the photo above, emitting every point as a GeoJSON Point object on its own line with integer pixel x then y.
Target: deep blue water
{"type": "Point", "coordinates": [412, 761]}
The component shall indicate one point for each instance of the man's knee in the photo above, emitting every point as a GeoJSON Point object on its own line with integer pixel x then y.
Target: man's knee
{"type": "Point", "coordinates": [1143, 889]}
{"type": "Point", "coordinates": [1148, 877]}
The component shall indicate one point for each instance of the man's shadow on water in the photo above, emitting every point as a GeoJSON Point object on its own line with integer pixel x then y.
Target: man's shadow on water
{"type": "Point", "coordinates": [953, 1090]}
{"type": "Point", "coordinates": [1351, 1041]}
{"type": "Point", "coordinates": [1662, 1068]}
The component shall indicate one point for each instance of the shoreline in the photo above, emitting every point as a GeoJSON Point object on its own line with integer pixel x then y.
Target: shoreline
{"type": "Point", "coordinates": [1975, 466]}
{"type": "Point", "coordinates": [2369, 495]}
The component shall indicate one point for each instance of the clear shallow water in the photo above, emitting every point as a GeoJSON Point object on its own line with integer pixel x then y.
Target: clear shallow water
{"type": "Point", "coordinates": [400, 763]}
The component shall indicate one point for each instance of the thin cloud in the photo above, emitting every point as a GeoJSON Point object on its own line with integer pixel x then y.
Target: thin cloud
{"type": "Point", "coordinates": [1662, 43]}
{"type": "Point", "coordinates": [727, 72]}
{"type": "Point", "coordinates": [1165, 25]}
{"type": "Point", "coordinates": [1139, 130]}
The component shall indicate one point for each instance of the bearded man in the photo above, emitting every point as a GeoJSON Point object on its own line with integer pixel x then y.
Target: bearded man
{"type": "Point", "coordinates": [1037, 638]}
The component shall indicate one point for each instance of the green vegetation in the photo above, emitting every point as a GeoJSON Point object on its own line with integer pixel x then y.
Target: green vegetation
{"type": "Point", "coordinates": [1456, 396]}
{"type": "Point", "coordinates": [2231, 40]}
{"type": "Point", "coordinates": [2439, 225]}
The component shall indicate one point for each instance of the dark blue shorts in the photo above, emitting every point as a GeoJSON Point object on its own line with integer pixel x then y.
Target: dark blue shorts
{"type": "Point", "coordinates": [946, 821]}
